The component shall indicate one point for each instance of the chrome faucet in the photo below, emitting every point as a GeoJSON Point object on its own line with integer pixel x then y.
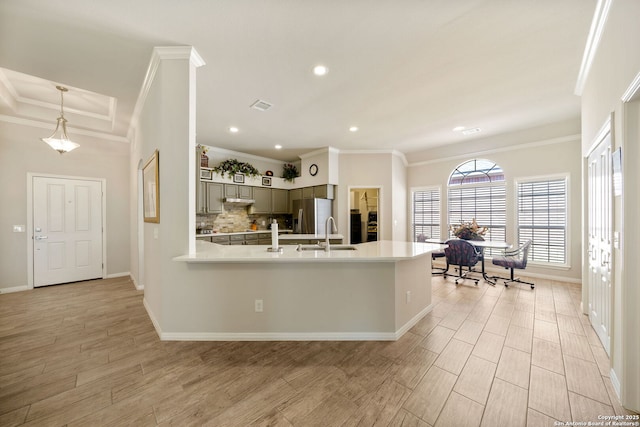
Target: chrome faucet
{"type": "Point", "coordinates": [326, 230]}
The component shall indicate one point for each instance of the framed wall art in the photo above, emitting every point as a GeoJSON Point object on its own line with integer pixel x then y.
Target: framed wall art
{"type": "Point", "coordinates": [151, 189]}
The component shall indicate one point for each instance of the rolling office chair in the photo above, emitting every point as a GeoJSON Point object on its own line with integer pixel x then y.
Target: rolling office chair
{"type": "Point", "coordinates": [462, 254]}
{"type": "Point", "coordinates": [511, 260]}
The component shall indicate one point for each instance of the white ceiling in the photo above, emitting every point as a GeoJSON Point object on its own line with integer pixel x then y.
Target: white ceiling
{"type": "Point", "coordinates": [406, 72]}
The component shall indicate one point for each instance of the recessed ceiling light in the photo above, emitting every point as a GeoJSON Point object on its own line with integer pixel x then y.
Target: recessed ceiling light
{"type": "Point", "coordinates": [320, 70]}
{"type": "Point", "coordinates": [458, 128]}
{"type": "Point", "coordinates": [278, 146]}
{"type": "Point", "coordinates": [471, 131]}
{"type": "Point", "coordinates": [233, 129]}
{"type": "Point", "coordinates": [353, 129]}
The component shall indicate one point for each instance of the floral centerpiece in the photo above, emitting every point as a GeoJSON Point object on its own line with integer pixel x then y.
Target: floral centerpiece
{"type": "Point", "coordinates": [469, 230]}
{"type": "Point", "coordinates": [289, 172]}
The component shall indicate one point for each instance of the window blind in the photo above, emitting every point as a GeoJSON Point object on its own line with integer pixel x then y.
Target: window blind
{"type": "Point", "coordinates": [542, 217]}
{"type": "Point", "coordinates": [487, 204]}
{"type": "Point", "coordinates": [426, 214]}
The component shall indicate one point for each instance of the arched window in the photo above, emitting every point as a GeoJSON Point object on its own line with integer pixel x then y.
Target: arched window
{"type": "Point", "coordinates": [477, 190]}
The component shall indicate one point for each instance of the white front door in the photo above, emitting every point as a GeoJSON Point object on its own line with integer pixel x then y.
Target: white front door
{"type": "Point", "coordinates": [67, 230]}
{"type": "Point", "coordinates": [600, 223]}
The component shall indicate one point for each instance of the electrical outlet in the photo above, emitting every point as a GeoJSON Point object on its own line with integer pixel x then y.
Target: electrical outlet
{"type": "Point", "coordinates": [258, 305]}
{"type": "Point", "coordinates": [408, 297]}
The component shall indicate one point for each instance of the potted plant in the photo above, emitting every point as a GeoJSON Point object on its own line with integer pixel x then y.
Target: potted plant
{"type": "Point", "coordinates": [233, 166]}
{"type": "Point", "coordinates": [289, 172]}
{"type": "Point", "coordinates": [468, 230]}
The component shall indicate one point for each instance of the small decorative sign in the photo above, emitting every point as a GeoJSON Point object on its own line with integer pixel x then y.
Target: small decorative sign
{"type": "Point", "coordinates": [238, 178]}
{"type": "Point", "coordinates": [266, 181]}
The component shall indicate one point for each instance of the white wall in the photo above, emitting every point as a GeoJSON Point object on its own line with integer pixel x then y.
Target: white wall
{"type": "Point", "coordinates": [167, 123]}
{"type": "Point", "coordinates": [616, 64]}
{"type": "Point", "coordinates": [22, 151]}
{"type": "Point", "coordinates": [400, 211]}
{"type": "Point", "coordinates": [554, 154]}
{"type": "Point", "coordinates": [366, 170]}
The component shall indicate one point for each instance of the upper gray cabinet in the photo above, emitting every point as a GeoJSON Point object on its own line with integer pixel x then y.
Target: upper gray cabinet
{"type": "Point", "coordinates": [262, 197]}
{"type": "Point", "coordinates": [235, 191]}
{"type": "Point", "coordinates": [209, 198]}
{"type": "Point", "coordinates": [279, 201]}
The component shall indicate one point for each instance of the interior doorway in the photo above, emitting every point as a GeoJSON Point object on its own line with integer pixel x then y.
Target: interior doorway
{"type": "Point", "coordinates": [66, 226]}
{"type": "Point", "coordinates": [364, 214]}
{"type": "Point", "coordinates": [600, 241]}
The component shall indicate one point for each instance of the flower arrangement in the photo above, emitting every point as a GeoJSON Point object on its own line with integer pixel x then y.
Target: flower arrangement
{"type": "Point", "coordinates": [468, 230]}
{"type": "Point", "coordinates": [233, 166]}
{"type": "Point", "coordinates": [289, 172]}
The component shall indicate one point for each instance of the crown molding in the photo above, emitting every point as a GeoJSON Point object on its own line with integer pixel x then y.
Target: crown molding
{"type": "Point", "coordinates": [396, 153]}
{"type": "Point", "coordinates": [559, 140]}
{"type": "Point", "coordinates": [49, 125]}
{"type": "Point", "coordinates": [633, 88]}
{"type": "Point", "coordinates": [160, 53]}
{"type": "Point", "coordinates": [319, 151]}
{"type": "Point", "coordinates": [593, 41]}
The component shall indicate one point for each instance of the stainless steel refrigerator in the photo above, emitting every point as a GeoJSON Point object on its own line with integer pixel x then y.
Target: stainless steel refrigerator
{"type": "Point", "coordinates": [310, 215]}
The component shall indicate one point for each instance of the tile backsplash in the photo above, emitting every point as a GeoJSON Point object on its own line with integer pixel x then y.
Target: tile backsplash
{"type": "Point", "coordinates": [236, 218]}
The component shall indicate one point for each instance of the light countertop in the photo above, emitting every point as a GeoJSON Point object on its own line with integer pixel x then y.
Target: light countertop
{"type": "Point", "coordinates": [320, 237]}
{"type": "Point", "coordinates": [282, 235]}
{"type": "Point", "coordinates": [380, 251]}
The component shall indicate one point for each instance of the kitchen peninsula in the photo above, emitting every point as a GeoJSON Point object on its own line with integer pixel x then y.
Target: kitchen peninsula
{"type": "Point", "coordinates": [375, 292]}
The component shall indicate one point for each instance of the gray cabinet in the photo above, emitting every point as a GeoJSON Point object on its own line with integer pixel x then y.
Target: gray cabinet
{"type": "Point", "coordinates": [201, 197]}
{"type": "Point", "coordinates": [235, 191]}
{"type": "Point", "coordinates": [221, 240]}
{"type": "Point", "coordinates": [214, 197]}
{"type": "Point", "coordinates": [209, 198]}
{"type": "Point", "coordinates": [307, 193]}
{"type": "Point", "coordinates": [318, 192]}
{"type": "Point", "coordinates": [279, 201]}
{"type": "Point", "coordinates": [295, 194]}
{"type": "Point", "coordinates": [262, 197]}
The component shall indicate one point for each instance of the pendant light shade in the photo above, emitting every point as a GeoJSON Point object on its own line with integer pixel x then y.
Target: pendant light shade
{"type": "Point", "coordinates": [59, 140]}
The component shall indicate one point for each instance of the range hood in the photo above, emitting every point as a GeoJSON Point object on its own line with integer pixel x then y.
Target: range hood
{"type": "Point", "coordinates": [241, 202]}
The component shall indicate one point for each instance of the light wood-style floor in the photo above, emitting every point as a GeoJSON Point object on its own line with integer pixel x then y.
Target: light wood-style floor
{"type": "Point", "coordinates": [86, 354]}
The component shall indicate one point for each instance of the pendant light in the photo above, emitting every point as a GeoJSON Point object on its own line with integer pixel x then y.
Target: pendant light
{"type": "Point", "coordinates": [59, 140]}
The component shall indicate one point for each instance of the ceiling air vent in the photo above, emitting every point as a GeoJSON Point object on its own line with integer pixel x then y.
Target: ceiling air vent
{"type": "Point", "coordinates": [261, 105]}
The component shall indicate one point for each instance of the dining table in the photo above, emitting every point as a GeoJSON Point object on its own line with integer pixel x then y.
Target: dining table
{"type": "Point", "coordinates": [481, 245]}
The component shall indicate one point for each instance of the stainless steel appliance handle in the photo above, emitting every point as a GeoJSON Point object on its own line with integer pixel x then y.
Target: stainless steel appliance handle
{"type": "Point", "coordinates": [40, 237]}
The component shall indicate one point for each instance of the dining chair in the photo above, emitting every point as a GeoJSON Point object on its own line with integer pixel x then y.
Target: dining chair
{"type": "Point", "coordinates": [511, 260]}
{"type": "Point", "coordinates": [462, 254]}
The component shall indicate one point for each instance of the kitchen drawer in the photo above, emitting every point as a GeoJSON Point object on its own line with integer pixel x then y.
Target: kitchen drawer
{"type": "Point", "coordinates": [236, 242]}
{"type": "Point", "coordinates": [252, 242]}
{"type": "Point", "coordinates": [221, 240]}
{"type": "Point", "coordinates": [236, 238]}
{"type": "Point", "coordinates": [250, 237]}
{"type": "Point", "coordinates": [264, 241]}
{"type": "Point", "coordinates": [205, 238]}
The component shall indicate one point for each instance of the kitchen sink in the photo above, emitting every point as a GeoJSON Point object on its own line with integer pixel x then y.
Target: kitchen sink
{"type": "Point", "coordinates": [343, 248]}
{"type": "Point", "coordinates": [322, 248]}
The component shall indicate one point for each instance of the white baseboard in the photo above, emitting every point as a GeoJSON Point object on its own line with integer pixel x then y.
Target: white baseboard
{"type": "Point", "coordinates": [411, 323]}
{"type": "Point", "coordinates": [278, 336]}
{"type": "Point", "coordinates": [615, 382]}
{"type": "Point", "coordinates": [156, 325]}
{"type": "Point", "coordinates": [114, 275]}
{"type": "Point", "coordinates": [138, 286]}
{"type": "Point", "coordinates": [15, 289]}
{"type": "Point", "coordinates": [285, 336]}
